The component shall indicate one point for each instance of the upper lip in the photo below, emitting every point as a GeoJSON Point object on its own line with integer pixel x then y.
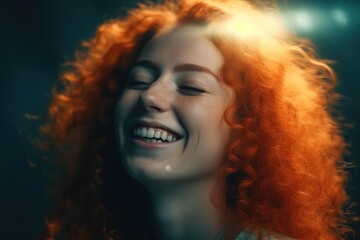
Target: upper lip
{"type": "Point", "coordinates": [153, 124]}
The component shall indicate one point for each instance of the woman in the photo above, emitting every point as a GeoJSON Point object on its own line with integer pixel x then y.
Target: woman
{"type": "Point", "coordinates": [196, 120]}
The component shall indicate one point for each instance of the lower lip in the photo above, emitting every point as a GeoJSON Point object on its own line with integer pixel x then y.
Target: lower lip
{"type": "Point", "coordinates": [150, 145]}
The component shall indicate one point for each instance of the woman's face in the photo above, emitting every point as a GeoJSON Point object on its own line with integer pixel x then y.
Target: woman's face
{"type": "Point", "coordinates": [170, 116]}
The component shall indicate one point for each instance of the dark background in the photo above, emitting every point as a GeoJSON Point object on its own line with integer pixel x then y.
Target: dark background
{"type": "Point", "coordinates": [38, 36]}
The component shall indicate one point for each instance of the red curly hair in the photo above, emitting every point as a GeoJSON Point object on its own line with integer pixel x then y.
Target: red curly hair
{"type": "Point", "coordinates": [284, 171]}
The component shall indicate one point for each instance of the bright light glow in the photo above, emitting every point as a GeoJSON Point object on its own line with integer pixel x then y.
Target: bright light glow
{"type": "Point", "coordinates": [303, 20]}
{"type": "Point", "coordinates": [274, 22]}
{"type": "Point", "coordinates": [247, 27]}
{"type": "Point", "coordinates": [243, 26]}
{"type": "Point", "coordinates": [339, 16]}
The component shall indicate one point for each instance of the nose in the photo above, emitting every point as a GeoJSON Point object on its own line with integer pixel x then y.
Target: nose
{"type": "Point", "coordinates": [157, 97]}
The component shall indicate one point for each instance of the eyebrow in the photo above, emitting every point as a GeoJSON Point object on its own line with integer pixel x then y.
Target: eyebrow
{"type": "Point", "coordinates": [178, 68]}
{"type": "Point", "coordinates": [195, 68]}
{"type": "Point", "coordinates": [146, 64]}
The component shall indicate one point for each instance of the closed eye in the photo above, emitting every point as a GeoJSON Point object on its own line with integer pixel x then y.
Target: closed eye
{"type": "Point", "coordinates": [137, 84]}
{"type": "Point", "coordinates": [140, 78]}
{"type": "Point", "coordinates": [191, 90]}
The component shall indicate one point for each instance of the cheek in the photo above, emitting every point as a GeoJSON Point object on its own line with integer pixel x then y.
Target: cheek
{"type": "Point", "coordinates": [124, 106]}
{"type": "Point", "coordinates": [125, 103]}
{"type": "Point", "coordinates": [206, 116]}
{"type": "Point", "coordinates": [209, 153]}
{"type": "Point", "coordinates": [209, 134]}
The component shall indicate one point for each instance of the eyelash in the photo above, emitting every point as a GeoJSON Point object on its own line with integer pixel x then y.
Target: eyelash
{"type": "Point", "coordinates": [192, 89]}
{"type": "Point", "coordinates": [138, 82]}
{"type": "Point", "coordinates": [187, 89]}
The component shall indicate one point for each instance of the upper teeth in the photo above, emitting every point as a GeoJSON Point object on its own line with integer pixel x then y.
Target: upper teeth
{"type": "Point", "coordinates": [154, 133]}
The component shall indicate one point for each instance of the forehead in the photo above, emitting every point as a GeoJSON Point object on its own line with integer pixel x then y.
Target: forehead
{"type": "Point", "coordinates": [182, 44]}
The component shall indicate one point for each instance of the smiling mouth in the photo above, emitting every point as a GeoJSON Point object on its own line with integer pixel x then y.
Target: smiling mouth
{"type": "Point", "coordinates": [154, 135]}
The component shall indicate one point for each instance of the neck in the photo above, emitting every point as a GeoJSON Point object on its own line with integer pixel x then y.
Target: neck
{"type": "Point", "coordinates": [185, 211]}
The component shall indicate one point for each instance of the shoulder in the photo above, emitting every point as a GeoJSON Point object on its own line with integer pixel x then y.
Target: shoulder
{"type": "Point", "coordinates": [246, 235]}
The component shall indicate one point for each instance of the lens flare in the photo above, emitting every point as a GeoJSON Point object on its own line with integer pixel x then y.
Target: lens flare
{"type": "Point", "coordinates": [340, 16]}
{"type": "Point", "coordinates": [303, 20]}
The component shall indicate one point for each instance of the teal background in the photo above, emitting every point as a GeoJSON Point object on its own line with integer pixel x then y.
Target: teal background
{"type": "Point", "coordinates": [38, 36]}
